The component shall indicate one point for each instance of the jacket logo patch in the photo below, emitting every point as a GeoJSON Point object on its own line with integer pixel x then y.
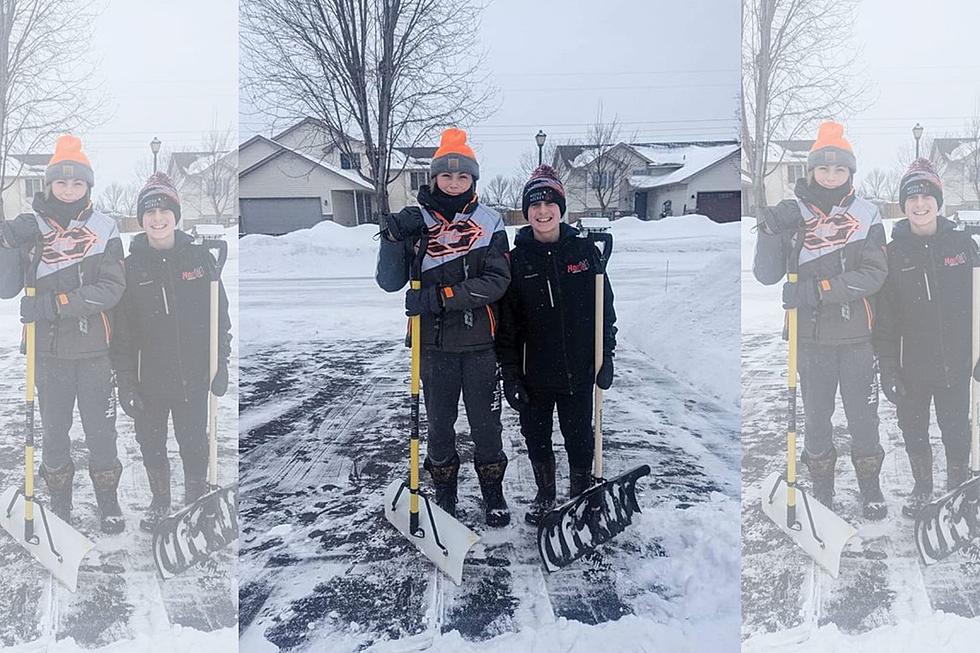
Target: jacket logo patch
{"type": "Point", "coordinates": [457, 237]}
{"type": "Point", "coordinates": [832, 231]}
{"type": "Point", "coordinates": [575, 268]}
{"type": "Point", "coordinates": [68, 246]}
{"type": "Point", "coordinates": [190, 275]}
{"type": "Point", "coordinates": [951, 261]}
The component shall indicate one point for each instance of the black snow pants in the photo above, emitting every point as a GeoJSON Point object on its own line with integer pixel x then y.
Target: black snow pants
{"type": "Point", "coordinates": [60, 382]}
{"type": "Point", "coordinates": [952, 414]}
{"type": "Point", "coordinates": [190, 428]}
{"type": "Point", "coordinates": [444, 376]}
{"type": "Point", "coordinates": [824, 368]}
{"type": "Point", "coordinates": [574, 419]}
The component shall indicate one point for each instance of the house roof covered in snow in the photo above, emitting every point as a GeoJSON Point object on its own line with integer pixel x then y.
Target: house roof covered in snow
{"type": "Point", "coordinates": [350, 175]}
{"type": "Point", "coordinates": [674, 163]}
{"type": "Point", "coordinates": [26, 165]}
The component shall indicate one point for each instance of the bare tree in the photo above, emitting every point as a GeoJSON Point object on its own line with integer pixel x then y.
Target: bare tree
{"type": "Point", "coordinates": [47, 85]}
{"type": "Point", "coordinates": [971, 161]}
{"type": "Point", "coordinates": [388, 72]}
{"type": "Point", "coordinates": [497, 191]}
{"type": "Point", "coordinates": [115, 200]}
{"type": "Point", "coordinates": [529, 159]}
{"type": "Point", "coordinates": [218, 174]}
{"type": "Point", "coordinates": [876, 185]}
{"type": "Point", "coordinates": [515, 195]}
{"type": "Point", "coordinates": [798, 68]}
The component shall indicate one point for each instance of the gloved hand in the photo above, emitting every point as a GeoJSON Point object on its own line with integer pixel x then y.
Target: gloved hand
{"type": "Point", "coordinates": [801, 294]}
{"type": "Point", "coordinates": [219, 384]}
{"type": "Point", "coordinates": [604, 378]}
{"type": "Point", "coordinates": [41, 307]}
{"type": "Point", "coordinates": [19, 231]}
{"type": "Point", "coordinates": [129, 397]}
{"type": "Point", "coordinates": [516, 394]}
{"type": "Point", "coordinates": [891, 384]}
{"type": "Point", "coordinates": [427, 300]}
{"type": "Point", "coordinates": [407, 224]}
{"type": "Point", "coordinates": [782, 218]}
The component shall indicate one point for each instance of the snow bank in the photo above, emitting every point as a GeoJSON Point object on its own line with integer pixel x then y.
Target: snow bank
{"type": "Point", "coordinates": [326, 249]}
{"type": "Point", "coordinates": [173, 639]}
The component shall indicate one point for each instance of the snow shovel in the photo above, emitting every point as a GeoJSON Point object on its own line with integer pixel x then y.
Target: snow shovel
{"type": "Point", "coordinates": [17, 504]}
{"type": "Point", "coordinates": [446, 541]}
{"type": "Point", "coordinates": [196, 532]}
{"type": "Point", "coordinates": [952, 522]}
{"type": "Point", "coordinates": [602, 512]}
{"type": "Point", "coordinates": [825, 534]}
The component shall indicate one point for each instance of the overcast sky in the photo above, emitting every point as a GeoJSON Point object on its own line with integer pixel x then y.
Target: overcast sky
{"type": "Point", "coordinates": [923, 62]}
{"type": "Point", "coordinates": [170, 70]}
{"type": "Point", "coordinates": [668, 70]}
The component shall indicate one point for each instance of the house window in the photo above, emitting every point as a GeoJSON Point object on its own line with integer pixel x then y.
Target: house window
{"type": "Point", "coordinates": [419, 179]}
{"type": "Point", "coordinates": [362, 208]}
{"type": "Point", "coordinates": [350, 161]}
{"type": "Point", "coordinates": [32, 187]}
{"type": "Point", "coordinates": [794, 171]}
{"type": "Point", "coordinates": [603, 180]}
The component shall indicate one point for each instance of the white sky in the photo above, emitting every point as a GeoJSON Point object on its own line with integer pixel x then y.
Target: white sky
{"type": "Point", "coordinates": [924, 62]}
{"type": "Point", "coordinates": [170, 70]}
{"type": "Point", "coordinates": [668, 70]}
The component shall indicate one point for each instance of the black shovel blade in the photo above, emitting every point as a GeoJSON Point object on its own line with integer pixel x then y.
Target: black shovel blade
{"type": "Point", "coordinates": [589, 520]}
{"type": "Point", "coordinates": [950, 523]}
{"type": "Point", "coordinates": [194, 533]}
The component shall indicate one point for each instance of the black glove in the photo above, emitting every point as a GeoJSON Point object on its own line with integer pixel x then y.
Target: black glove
{"type": "Point", "coordinates": [407, 224]}
{"type": "Point", "coordinates": [129, 398]}
{"type": "Point", "coordinates": [219, 384]}
{"type": "Point", "coordinates": [782, 218]}
{"type": "Point", "coordinates": [801, 294]}
{"type": "Point", "coordinates": [976, 371]}
{"type": "Point", "coordinates": [516, 395]}
{"type": "Point", "coordinates": [39, 308]}
{"type": "Point", "coordinates": [19, 231]}
{"type": "Point", "coordinates": [427, 300]}
{"type": "Point", "coordinates": [891, 384]}
{"type": "Point", "coordinates": [604, 378]}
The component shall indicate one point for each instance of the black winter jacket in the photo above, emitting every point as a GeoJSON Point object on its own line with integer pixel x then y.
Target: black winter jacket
{"type": "Point", "coordinates": [467, 256]}
{"type": "Point", "coordinates": [81, 264]}
{"type": "Point", "coordinates": [162, 340]}
{"type": "Point", "coordinates": [843, 251]}
{"type": "Point", "coordinates": [925, 307]}
{"type": "Point", "coordinates": [547, 319]}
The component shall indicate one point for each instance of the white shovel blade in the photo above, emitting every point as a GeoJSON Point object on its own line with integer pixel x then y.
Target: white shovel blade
{"type": "Point", "coordinates": [71, 544]}
{"type": "Point", "coordinates": [831, 529]}
{"type": "Point", "coordinates": [454, 536]}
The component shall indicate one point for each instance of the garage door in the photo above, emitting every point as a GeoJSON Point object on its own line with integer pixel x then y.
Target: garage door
{"type": "Point", "coordinates": [721, 206]}
{"type": "Point", "coordinates": [279, 215]}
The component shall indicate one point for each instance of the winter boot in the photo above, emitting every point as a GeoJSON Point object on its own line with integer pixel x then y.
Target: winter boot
{"type": "Point", "coordinates": [59, 483]}
{"type": "Point", "coordinates": [544, 500]}
{"type": "Point", "coordinates": [195, 487]}
{"type": "Point", "coordinates": [159, 478]}
{"type": "Point", "coordinates": [491, 477]}
{"type": "Point", "coordinates": [922, 490]}
{"type": "Point", "coordinates": [105, 482]}
{"type": "Point", "coordinates": [867, 469]}
{"type": "Point", "coordinates": [444, 479]}
{"type": "Point", "coordinates": [579, 480]}
{"type": "Point", "coordinates": [822, 475]}
{"type": "Point", "coordinates": [957, 472]}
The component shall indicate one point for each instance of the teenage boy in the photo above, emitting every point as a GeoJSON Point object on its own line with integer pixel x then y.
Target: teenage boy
{"type": "Point", "coordinates": [80, 279]}
{"type": "Point", "coordinates": [546, 343]}
{"type": "Point", "coordinates": [838, 242]}
{"type": "Point", "coordinates": [464, 273]}
{"type": "Point", "coordinates": [922, 336]}
{"type": "Point", "coordinates": [161, 351]}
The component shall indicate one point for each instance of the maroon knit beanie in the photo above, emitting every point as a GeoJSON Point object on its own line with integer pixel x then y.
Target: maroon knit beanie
{"type": "Point", "coordinates": [158, 192]}
{"type": "Point", "coordinates": [543, 186]}
{"type": "Point", "coordinates": [920, 179]}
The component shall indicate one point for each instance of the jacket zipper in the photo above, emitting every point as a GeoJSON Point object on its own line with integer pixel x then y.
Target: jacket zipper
{"type": "Point", "coordinates": [551, 298]}
{"type": "Point", "coordinates": [930, 264]}
{"type": "Point", "coordinates": [561, 319]}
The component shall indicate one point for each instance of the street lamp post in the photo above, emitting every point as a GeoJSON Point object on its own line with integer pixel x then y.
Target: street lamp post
{"type": "Point", "coordinates": [155, 147]}
{"type": "Point", "coordinates": [539, 138]}
{"type": "Point", "coordinates": [917, 132]}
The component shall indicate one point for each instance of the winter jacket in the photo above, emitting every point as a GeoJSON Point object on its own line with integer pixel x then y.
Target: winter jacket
{"type": "Point", "coordinates": [843, 252]}
{"type": "Point", "coordinates": [547, 317]}
{"type": "Point", "coordinates": [163, 336]}
{"type": "Point", "coordinates": [925, 306]}
{"type": "Point", "coordinates": [466, 256]}
{"type": "Point", "coordinates": [81, 264]}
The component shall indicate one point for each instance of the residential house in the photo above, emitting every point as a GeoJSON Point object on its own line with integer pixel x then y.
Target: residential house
{"type": "Point", "coordinates": [787, 163]}
{"type": "Point", "coordinates": [958, 162]}
{"type": "Point", "coordinates": [22, 178]}
{"type": "Point", "coordinates": [300, 177]}
{"type": "Point", "coordinates": [206, 182]}
{"type": "Point", "coordinates": [653, 180]}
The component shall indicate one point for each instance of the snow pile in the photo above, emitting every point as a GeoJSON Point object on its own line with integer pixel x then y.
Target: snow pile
{"type": "Point", "coordinates": [174, 639]}
{"type": "Point", "coordinates": [940, 632]}
{"type": "Point", "coordinates": [326, 249]}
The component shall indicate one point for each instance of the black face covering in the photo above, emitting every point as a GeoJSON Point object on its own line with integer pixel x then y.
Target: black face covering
{"type": "Point", "coordinates": [447, 205]}
{"type": "Point", "coordinates": [824, 199]}
{"type": "Point", "coordinates": [64, 212]}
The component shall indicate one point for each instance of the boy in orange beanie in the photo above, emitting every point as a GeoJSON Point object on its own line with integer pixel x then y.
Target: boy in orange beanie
{"type": "Point", "coordinates": [80, 279]}
{"type": "Point", "coordinates": [837, 242]}
{"type": "Point", "coordinates": [464, 274]}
